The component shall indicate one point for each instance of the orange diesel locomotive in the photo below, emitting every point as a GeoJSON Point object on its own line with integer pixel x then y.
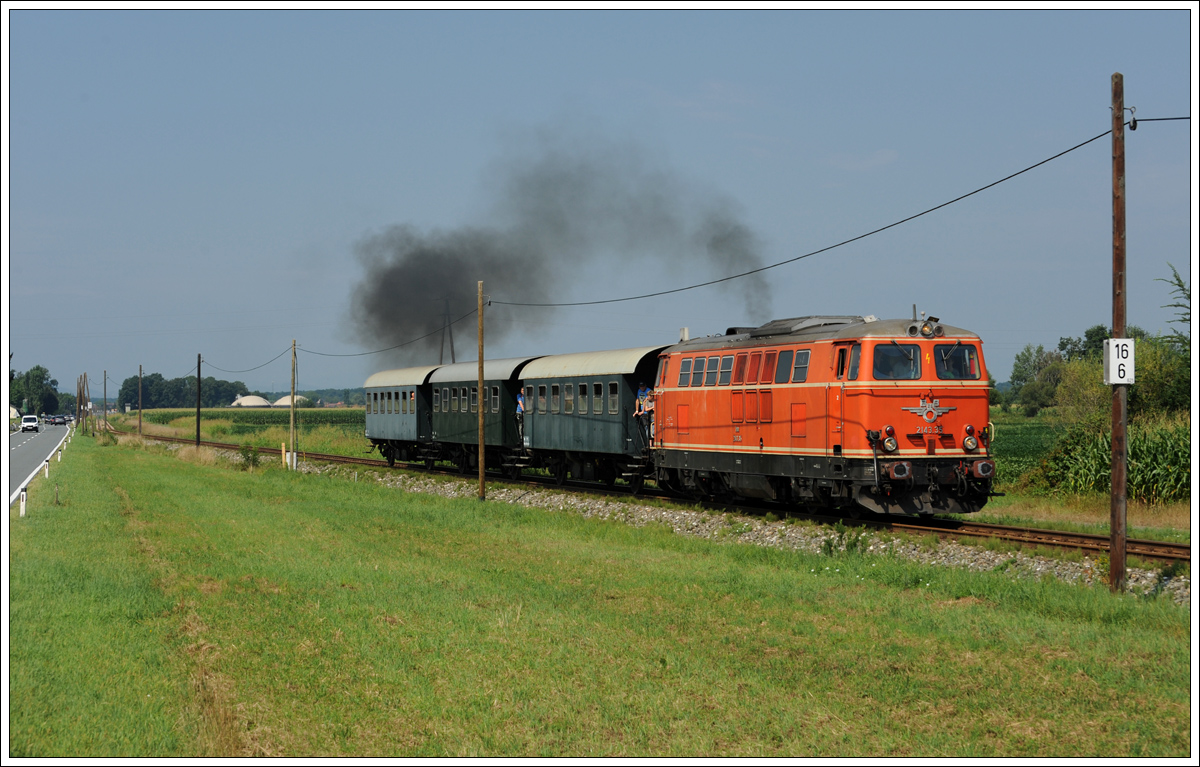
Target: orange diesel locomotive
{"type": "Point", "coordinates": [839, 412]}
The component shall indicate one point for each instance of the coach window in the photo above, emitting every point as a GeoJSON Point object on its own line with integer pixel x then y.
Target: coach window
{"type": "Point", "coordinates": [374, 402]}
{"type": "Point", "coordinates": [785, 366]}
{"type": "Point", "coordinates": [403, 402]}
{"type": "Point", "coordinates": [685, 372]}
{"type": "Point", "coordinates": [768, 370]}
{"type": "Point", "coordinates": [554, 398]}
{"type": "Point", "coordinates": [437, 401]}
{"type": "Point", "coordinates": [583, 398]}
{"type": "Point", "coordinates": [597, 398]}
{"type": "Point", "coordinates": [698, 372]}
{"type": "Point", "coordinates": [726, 369]}
{"type": "Point", "coordinates": [710, 378]}
{"type": "Point", "coordinates": [613, 396]}
{"type": "Point", "coordinates": [495, 399]}
{"type": "Point", "coordinates": [387, 404]}
{"type": "Point", "coordinates": [542, 398]}
{"type": "Point", "coordinates": [465, 402]}
{"type": "Point", "coordinates": [739, 370]}
{"type": "Point", "coordinates": [800, 372]}
{"type": "Point", "coordinates": [474, 399]}
{"type": "Point", "coordinates": [569, 398]}
{"type": "Point", "coordinates": [445, 400]}
{"type": "Point", "coordinates": [454, 399]}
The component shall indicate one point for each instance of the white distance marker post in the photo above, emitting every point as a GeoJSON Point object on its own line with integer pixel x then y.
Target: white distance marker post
{"type": "Point", "coordinates": [1118, 361]}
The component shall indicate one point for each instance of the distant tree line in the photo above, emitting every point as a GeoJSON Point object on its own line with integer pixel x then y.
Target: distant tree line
{"type": "Point", "coordinates": [159, 392]}
{"type": "Point", "coordinates": [1071, 376]}
{"type": "Point", "coordinates": [35, 392]}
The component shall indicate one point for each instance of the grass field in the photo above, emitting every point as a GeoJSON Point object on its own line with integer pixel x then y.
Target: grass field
{"type": "Point", "coordinates": [173, 606]}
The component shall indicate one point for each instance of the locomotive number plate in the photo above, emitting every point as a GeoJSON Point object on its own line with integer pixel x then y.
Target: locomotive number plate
{"type": "Point", "coordinates": [935, 429]}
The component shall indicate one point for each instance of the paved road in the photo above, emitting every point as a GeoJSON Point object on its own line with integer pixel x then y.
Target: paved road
{"type": "Point", "coordinates": [27, 451]}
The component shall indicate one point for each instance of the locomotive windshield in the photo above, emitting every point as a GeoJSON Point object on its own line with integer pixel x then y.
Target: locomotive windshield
{"type": "Point", "coordinates": [897, 362]}
{"type": "Point", "coordinates": [956, 362]}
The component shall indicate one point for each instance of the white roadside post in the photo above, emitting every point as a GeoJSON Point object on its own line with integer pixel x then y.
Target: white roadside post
{"type": "Point", "coordinates": [47, 468]}
{"type": "Point", "coordinates": [22, 503]}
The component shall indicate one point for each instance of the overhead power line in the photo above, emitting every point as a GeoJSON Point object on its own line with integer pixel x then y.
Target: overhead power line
{"type": "Point", "coordinates": [397, 346]}
{"type": "Point", "coordinates": [829, 247]}
{"type": "Point", "coordinates": [247, 370]}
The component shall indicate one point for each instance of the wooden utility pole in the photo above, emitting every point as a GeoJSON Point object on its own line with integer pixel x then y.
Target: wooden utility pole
{"type": "Point", "coordinates": [197, 400]}
{"type": "Point", "coordinates": [292, 422]}
{"type": "Point", "coordinates": [139, 400]}
{"type": "Point", "coordinates": [483, 398]}
{"type": "Point", "coordinates": [1120, 398]}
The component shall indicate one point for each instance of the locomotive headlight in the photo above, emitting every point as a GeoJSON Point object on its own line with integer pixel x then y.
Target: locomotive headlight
{"type": "Point", "coordinates": [970, 443]}
{"type": "Point", "coordinates": [927, 329]}
{"type": "Point", "coordinates": [890, 444]}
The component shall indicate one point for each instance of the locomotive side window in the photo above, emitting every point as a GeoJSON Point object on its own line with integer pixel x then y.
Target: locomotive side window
{"type": "Point", "coordinates": [800, 372]}
{"type": "Point", "coordinates": [554, 398]}
{"type": "Point", "coordinates": [752, 370]}
{"type": "Point", "coordinates": [956, 362]}
{"type": "Point", "coordinates": [897, 362]}
{"type": "Point", "coordinates": [768, 369]}
{"type": "Point", "coordinates": [739, 370]}
{"type": "Point", "coordinates": [583, 398]}
{"type": "Point", "coordinates": [710, 378]}
{"type": "Point", "coordinates": [726, 369]}
{"type": "Point", "coordinates": [853, 374]}
{"type": "Point", "coordinates": [785, 366]}
{"type": "Point", "coordinates": [613, 396]}
{"type": "Point", "coordinates": [569, 399]}
{"type": "Point", "coordinates": [841, 363]}
{"type": "Point", "coordinates": [685, 372]}
{"type": "Point", "coordinates": [698, 372]}
{"type": "Point", "coordinates": [597, 398]}
{"type": "Point", "coordinates": [542, 398]}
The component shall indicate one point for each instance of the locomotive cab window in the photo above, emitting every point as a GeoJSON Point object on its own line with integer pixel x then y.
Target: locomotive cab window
{"type": "Point", "coordinates": [685, 372]}
{"type": "Point", "coordinates": [661, 377]}
{"type": "Point", "coordinates": [897, 362]}
{"type": "Point", "coordinates": [956, 362]}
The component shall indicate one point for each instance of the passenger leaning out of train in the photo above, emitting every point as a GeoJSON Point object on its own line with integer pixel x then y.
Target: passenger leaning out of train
{"type": "Point", "coordinates": [649, 410]}
{"type": "Point", "coordinates": [521, 416]}
{"type": "Point", "coordinates": [640, 413]}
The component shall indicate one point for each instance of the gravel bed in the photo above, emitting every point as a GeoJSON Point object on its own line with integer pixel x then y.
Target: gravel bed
{"type": "Point", "coordinates": [757, 531]}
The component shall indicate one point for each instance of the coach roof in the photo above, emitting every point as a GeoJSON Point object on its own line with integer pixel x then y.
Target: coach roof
{"type": "Point", "coordinates": [615, 362]}
{"type": "Point", "coordinates": [401, 377]}
{"type": "Point", "coordinates": [493, 370]}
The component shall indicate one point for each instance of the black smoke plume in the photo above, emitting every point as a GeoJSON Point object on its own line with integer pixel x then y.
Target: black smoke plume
{"type": "Point", "coordinates": [560, 208]}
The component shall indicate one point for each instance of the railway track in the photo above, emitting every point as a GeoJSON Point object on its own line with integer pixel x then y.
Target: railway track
{"type": "Point", "coordinates": [1163, 551]}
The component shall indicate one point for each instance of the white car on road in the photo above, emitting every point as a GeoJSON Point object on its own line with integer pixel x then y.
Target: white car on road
{"type": "Point", "coordinates": [29, 423]}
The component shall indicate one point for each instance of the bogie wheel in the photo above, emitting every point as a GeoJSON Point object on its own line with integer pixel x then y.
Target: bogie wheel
{"type": "Point", "coordinates": [560, 473]}
{"type": "Point", "coordinates": [390, 455]}
{"type": "Point", "coordinates": [635, 483]}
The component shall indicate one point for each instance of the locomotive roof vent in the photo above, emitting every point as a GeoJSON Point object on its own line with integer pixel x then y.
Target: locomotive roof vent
{"type": "Point", "coordinates": [797, 324]}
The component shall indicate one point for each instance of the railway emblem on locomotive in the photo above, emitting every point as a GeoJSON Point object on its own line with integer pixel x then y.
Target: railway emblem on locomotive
{"type": "Point", "coordinates": [929, 410]}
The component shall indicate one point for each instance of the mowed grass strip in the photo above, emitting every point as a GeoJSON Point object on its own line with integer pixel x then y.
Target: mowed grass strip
{"type": "Point", "coordinates": [293, 615]}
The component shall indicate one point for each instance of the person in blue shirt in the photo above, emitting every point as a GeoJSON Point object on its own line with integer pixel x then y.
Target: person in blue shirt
{"type": "Point", "coordinates": [521, 415]}
{"type": "Point", "coordinates": [640, 413]}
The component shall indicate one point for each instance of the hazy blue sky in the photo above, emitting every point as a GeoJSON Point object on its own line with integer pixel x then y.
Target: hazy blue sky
{"type": "Point", "coordinates": [186, 182]}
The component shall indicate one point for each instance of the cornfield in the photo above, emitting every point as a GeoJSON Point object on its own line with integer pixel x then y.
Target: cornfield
{"type": "Point", "coordinates": [1159, 462]}
{"type": "Point", "coordinates": [257, 417]}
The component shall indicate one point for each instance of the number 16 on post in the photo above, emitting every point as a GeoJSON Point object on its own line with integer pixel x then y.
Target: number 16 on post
{"type": "Point", "coordinates": [1118, 361]}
